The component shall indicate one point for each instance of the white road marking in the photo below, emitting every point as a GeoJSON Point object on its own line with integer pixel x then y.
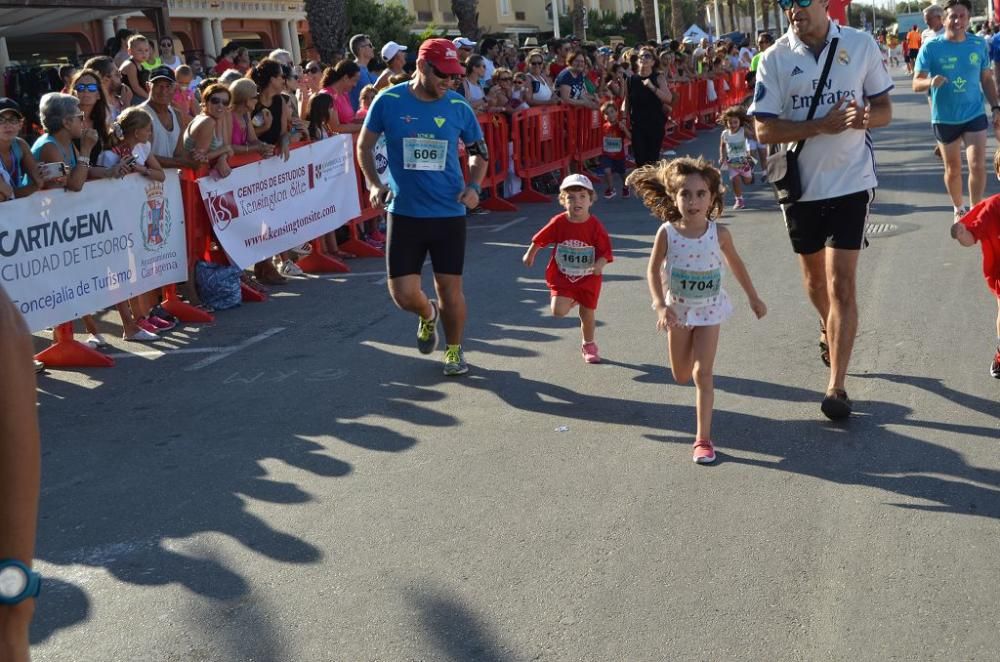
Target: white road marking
{"type": "Point", "coordinates": [157, 353]}
{"type": "Point", "coordinates": [507, 225]}
{"type": "Point", "coordinates": [235, 348]}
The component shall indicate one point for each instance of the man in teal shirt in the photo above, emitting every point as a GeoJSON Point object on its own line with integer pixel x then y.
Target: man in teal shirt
{"type": "Point", "coordinates": [955, 68]}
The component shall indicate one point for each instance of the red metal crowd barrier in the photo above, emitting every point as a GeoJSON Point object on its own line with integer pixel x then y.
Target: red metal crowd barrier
{"type": "Point", "coordinates": [541, 146]}
{"type": "Point", "coordinates": [585, 142]}
{"type": "Point", "coordinates": [496, 133]}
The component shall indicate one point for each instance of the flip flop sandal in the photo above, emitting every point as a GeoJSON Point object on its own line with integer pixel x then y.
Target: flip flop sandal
{"type": "Point", "coordinates": [824, 348]}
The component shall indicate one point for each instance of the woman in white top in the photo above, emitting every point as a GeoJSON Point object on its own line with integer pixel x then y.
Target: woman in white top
{"type": "Point", "coordinates": [475, 67]}
{"type": "Point", "coordinates": [539, 90]}
{"type": "Point", "coordinates": [167, 55]}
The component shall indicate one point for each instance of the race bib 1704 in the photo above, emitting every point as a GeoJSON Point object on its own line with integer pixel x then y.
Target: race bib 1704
{"type": "Point", "coordinates": [424, 154]}
{"type": "Point", "coordinates": [694, 287]}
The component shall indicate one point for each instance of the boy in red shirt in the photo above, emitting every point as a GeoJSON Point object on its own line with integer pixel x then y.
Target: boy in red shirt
{"type": "Point", "coordinates": [982, 224]}
{"type": "Point", "coordinates": [582, 249]}
{"type": "Point", "coordinates": [613, 135]}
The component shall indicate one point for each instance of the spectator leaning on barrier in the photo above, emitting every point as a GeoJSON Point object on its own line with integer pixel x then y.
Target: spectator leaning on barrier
{"type": "Point", "coordinates": [395, 57]}
{"type": "Point", "coordinates": [338, 82]}
{"type": "Point", "coordinates": [540, 84]}
{"type": "Point", "coordinates": [472, 87]}
{"type": "Point", "coordinates": [167, 123]}
{"type": "Point", "coordinates": [363, 52]}
{"type": "Point", "coordinates": [429, 195]}
{"type": "Point", "coordinates": [20, 474]}
{"type": "Point", "coordinates": [271, 119]}
{"type": "Point", "coordinates": [571, 85]}
{"type": "Point", "coordinates": [62, 120]}
{"type": "Point", "coordinates": [87, 89]}
{"type": "Point", "coordinates": [205, 138]}
{"type": "Point", "coordinates": [19, 176]}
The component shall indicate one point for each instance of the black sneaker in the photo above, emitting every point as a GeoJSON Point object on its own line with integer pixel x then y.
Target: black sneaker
{"type": "Point", "coordinates": [995, 366]}
{"type": "Point", "coordinates": [836, 405]}
{"type": "Point", "coordinates": [161, 312]}
{"type": "Point", "coordinates": [427, 331]}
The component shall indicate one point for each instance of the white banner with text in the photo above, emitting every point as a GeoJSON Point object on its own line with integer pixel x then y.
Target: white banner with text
{"type": "Point", "coordinates": [270, 206]}
{"type": "Point", "coordinates": [66, 254]}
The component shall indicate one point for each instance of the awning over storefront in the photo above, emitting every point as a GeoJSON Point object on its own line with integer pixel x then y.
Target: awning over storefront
{"type": "Point", "coordinates": [28, 17]}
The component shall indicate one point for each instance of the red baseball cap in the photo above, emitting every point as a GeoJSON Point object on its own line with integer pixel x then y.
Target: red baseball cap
{"type": "Point", "coordinates": [441, 54]}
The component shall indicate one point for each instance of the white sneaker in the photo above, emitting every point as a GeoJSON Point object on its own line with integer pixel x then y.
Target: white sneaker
{"type": "Point", "coordinates": [142, 336]}
{"type": "Point", "coordinates": [303, 250]}
{"type": "Point", "coordinates": [96, 340]}
{"type": "Point", "coordinates": [289, 268]}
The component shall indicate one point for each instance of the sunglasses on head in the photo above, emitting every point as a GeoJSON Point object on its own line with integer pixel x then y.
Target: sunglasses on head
{"type": "Point", "coordinates": [443, 76]}
{"type": "Point", "coordinates": [787, 4]}
{"type": "Point", "coordinates": [85, 87]}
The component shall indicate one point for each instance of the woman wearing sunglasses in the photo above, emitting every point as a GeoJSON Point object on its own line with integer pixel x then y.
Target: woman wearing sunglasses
{"type": "Point", "coordinates": [538, 92]}
{"type": "Point", "coordinates": [167, 54]}
{"type": "Point", "coordinates": [204, 138]}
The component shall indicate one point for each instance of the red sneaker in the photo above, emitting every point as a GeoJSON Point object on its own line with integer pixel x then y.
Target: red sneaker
{"type": "Point", "coordinates": [160, 324]}
{"type": "Point", "coordinates": [146, 325]}
{"type": "Point", "coordinates": [704, 452]}
{"type": "Point", "coordinates": [589, 351]}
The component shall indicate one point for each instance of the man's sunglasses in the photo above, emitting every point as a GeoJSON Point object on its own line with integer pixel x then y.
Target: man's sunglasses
{"type": "Point", "coordinates": [85, 87]}
{"type": "Point", "coordinates": [443, 76]}
{"type": "Point", "coordinates": [787, 4]}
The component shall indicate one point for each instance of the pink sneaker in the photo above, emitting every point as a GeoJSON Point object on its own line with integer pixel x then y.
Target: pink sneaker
{"type": "Point", "coordinates": [704, 452]}
{"type": "Point", "coordinates": [160, 323]}
{"type": "Point", "coordinates": [146, 325]}
{"type": "Point", "coordinates": [589, 351]}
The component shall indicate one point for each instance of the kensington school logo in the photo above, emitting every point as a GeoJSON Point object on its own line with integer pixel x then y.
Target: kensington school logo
{"type": "Point", "coordinates": [222, 209]}
{"type": "Point", "coordinates": [154, 218]}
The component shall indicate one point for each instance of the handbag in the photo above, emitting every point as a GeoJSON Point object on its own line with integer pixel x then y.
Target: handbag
{"type": "Point", "coordinates": [783, 164]}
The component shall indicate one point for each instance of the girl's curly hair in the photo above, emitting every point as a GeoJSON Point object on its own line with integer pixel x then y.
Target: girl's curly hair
{"type": "Point", "coordinates": [739, 112]}
{"type": "Point", "coordinates": [657, 183]}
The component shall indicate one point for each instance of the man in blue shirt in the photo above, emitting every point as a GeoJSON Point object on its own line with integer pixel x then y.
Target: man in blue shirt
{"type": "Point", "coordinates": [956, 70]}
{"type": "Point", "coordinates": [363, 51]}
{"type": "Point", "coordinates": [422, 121]}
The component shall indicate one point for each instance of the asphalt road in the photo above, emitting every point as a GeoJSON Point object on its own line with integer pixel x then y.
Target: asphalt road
{"type": "Point", "coordinates": [312, 489]}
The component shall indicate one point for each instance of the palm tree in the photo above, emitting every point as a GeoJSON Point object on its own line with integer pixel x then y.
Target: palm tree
{"type": "Point", "coordinates": [467, 14]}
{"type": "Point", "coordinates": [578, 12]}
{"type": "Point", "coordinates": [676, 20]}
{"type": "Point", "coordinates": [648, 18]}
{"type": "Point", "coordinates": [328, 26]}
{"type": "Point", "coordinates": [733, 26]}
{"type": "Point", "coordinates": [764, 6]}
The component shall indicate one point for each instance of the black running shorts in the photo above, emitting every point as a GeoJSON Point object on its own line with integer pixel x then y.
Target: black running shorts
{"type": "Point", "coordinates": [834, 222]}
{"type": "Point", "coordinates": [949, 133]}
{"type": "Point", "coordinates": [410, 239]}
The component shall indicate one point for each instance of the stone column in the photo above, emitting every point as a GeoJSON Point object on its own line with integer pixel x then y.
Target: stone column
{"type": "Point", "coordinates": [121, 23]}
{"type": "Point", "coordinates": [293, 29]}
{"type": "Point", "coordinates": [208, 40]}
{"type": "Point", "coordinates": [4, 63]}
{"type": "Point", "coordinates": [284, 35]}
{"type": "Point", "coordinates": [217, 34]}
{"type": "Point", "coordinates": [107, 28]}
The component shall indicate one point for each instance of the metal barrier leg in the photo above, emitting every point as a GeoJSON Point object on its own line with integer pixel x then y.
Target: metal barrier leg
{"type": "Point", "coordinates": [66, 352]}
{"type": "Point", "coordinates": [250, 295]}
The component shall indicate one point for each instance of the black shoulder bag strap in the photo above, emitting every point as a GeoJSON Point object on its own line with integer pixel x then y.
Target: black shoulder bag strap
{"type": "Point", "coordinates": [819, 88]}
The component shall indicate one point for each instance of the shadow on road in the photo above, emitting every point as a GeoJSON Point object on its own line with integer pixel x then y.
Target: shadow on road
{"type": "Point", "coordinates": [456, 632]}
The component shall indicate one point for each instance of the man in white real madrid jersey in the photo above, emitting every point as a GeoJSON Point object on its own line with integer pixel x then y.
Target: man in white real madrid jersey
{"type": "Point", "coordinates": [836, 162]}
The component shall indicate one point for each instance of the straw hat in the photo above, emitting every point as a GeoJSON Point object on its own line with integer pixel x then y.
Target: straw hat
{"type": "Point", "coordinates": [530, 42]}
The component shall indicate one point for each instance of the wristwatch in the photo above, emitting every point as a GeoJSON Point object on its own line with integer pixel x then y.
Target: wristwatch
{"type": "Point", "coordinates": [18, 582]}
{"type": "Point", "coordinates": [475, 187]}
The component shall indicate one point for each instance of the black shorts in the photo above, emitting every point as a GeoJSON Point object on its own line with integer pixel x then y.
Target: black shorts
{"type": "Point", "coordinates": [410, 239]}
{"type": "Point", "coordinates": [834, 222]}
{"type": "Point", "coordinates": [949, 133]}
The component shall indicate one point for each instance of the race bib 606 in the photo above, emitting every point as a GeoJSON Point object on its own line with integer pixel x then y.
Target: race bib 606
{"type": "Point", "coordinates": [424, 154]}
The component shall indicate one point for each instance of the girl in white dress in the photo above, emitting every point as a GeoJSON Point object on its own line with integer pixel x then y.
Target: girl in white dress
{"type": "Point", "coordinates": [734, 151]}
{"type": "Point", "coordinates": [685, 275]}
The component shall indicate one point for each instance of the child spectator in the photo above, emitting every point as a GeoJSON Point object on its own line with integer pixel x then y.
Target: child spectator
{"type": "Point", "coordinates": [687, 260]}
{"type": "Point", "coordinates": [133, 73]}
{"type": "Point", "coordinates": [365, 99]}
{"type": "Point", "coordinates": [982, 224]}
{"type": "Point", "coordinates": [613, 135]}
{"type": "Point", "coordinates": [734, 151]}
{"type": "Point", "coordinates": [184, 100]}
{"type": "Point", "coordinates": [132, 151]}
{"type": "Point", "coordinates": [581, 250]}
